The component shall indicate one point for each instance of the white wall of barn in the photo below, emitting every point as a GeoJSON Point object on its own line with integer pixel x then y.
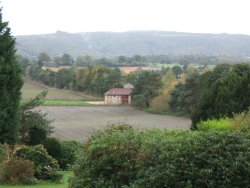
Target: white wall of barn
{"type": "Point", "coordinates": [113, 99]}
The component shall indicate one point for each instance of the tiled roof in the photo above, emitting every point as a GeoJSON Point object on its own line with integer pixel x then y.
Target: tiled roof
{"type": "Point", "coordinates": [119, 91]}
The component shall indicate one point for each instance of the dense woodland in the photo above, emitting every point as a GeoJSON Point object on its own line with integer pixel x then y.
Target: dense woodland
{"type": "Point", "coordinates": [215, 153]}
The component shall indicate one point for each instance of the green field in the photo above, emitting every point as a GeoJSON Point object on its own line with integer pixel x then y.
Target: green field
{"type": "Point", "coordinates": [66, 103]}
{"type": "Point", "coordinates": [63, 184]}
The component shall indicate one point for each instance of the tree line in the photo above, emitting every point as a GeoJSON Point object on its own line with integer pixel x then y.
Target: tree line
{"type": "Point", "coordinates": [223, 92]}
{"type": "Point", "coordinates": [94, 80]}
{"type": "Point", "coordinates": [137, 60]}
{"type": "Point", "coordinates": [212, 94]}
{"type": "Point", "coordinates": [98, 79]}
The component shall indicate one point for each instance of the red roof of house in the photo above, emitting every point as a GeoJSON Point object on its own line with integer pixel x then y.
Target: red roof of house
{"type": "Point", "coordinates": [119, 91]}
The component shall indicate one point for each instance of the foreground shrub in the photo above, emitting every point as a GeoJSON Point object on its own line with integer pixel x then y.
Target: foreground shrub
{"type": "Point", "coordinates": [122, 156]}
{"type": "Point", "coordinates": [45, 166]}
{"type": "Point", "coordinates": [53, 147]}
{"type": "Point", "coordinates": [65, 152]}
{"type": "Point", "coordinates": [69, 151]}
{"type": "Point", "coordinates": [223, 124]}
{"type": "Point", "coordinates": [108, 158]}
{"type": "Point", "coordinates": [17, 171]}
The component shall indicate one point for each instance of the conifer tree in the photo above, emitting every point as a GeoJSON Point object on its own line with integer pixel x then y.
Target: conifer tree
{"type": "Point", "coordinates": [10, 86]}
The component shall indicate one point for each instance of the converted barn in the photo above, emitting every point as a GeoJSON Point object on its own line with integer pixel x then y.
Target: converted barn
{"type": "Point", "coordinates": [118, 96]}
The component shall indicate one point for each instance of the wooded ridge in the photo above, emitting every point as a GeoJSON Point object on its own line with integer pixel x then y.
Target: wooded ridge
{"type": "Point", "coordinates": [112, 44]}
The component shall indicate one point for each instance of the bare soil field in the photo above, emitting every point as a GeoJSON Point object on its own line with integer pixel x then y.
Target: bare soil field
{"type": "Point", "coordinates": [77, 123]}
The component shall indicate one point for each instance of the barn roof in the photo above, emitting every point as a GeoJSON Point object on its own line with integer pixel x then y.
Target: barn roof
{"type": "Point", "coordinates": [119, 91]}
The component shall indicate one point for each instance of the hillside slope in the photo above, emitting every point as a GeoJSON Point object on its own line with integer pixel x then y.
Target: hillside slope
{"type": "Point", "coordinates": [32, 88]}
{"type": "Point", "coordinates": [134, 42]}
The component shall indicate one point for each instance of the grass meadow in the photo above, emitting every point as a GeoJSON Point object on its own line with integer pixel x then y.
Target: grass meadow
{"type": "Point", "coordinates": [66, 103]}
{"type": "Point", "coordinates": [57, 97]}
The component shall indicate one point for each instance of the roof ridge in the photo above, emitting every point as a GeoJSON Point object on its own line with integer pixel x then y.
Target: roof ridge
{"type": "Point", "coordinates": [119, 91]}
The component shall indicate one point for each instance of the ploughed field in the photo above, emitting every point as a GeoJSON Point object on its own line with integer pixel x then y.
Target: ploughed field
{"type": "Point", "coordinates": [78, 122]}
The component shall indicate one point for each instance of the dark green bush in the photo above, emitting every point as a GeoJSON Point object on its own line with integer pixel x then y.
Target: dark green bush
{"type": "Point", "coordinates": [53, 147]}
{"type": "Point", "coordinates": [139, 101]}
{"type": "Point", "coordinates": [37, 135]}
{"type": "Point", "coordinates": [197, 159]}
{"type": "Point", "coordinates": [123, 156]}
{"type": "Point", "coordinates": [65, 152]}
{"type": "Point", "coordinates": [69, 151]}
{"type": "Point", "coordinates": [46, 168]}
{"type": "Point", "coordinates": [17, 171]}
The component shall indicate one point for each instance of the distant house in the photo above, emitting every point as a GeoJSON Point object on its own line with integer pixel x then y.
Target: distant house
{"type": "Point", "coordinates": [118, 96]}
{"type": "Point", "coordinates": [128, 85]}
{"type": "Point", "coordinates": [127, 70]}
{"type": "Point", "coordinates": [55, 69]}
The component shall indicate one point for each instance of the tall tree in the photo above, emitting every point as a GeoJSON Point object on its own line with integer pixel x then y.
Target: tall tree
{"type": "Point", "coordinates": [160, 103]}
{"type": "Point", "coordinates": [184, 96]}
{"type": "Point", "coordinates": [35, 127]}
{"type": "Point", "coordinates": [10, 86]}
{"type": "Point", "coordinates": [64, 77]}
{"type": "Point", "coordinates": [177, 70]}
{"type": "Point", "coordinates": [84, 61]}
{"type": "Point", "coordinates": [146, 87]}
{"type": "Point", "coordinates": [44, 57]}
{"type": "Point", "coordinates": [223, 92]}
{"type": "Point", "coordinates": [67, 59]}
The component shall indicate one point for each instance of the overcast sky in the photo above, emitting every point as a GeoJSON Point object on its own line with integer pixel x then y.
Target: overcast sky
{"type": "Point", "coordinates": [197, 16]}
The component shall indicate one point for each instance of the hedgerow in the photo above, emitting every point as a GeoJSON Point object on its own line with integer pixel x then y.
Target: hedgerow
{"type": "Point", "coordinates": [121, 156]}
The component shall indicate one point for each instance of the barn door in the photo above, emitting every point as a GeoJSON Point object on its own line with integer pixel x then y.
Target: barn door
{"type": "Point", "coordinates": [125, 99]}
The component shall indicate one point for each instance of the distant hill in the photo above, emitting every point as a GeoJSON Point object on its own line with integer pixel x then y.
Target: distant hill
{"type": "Point", "coordinates": [134, 42]}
